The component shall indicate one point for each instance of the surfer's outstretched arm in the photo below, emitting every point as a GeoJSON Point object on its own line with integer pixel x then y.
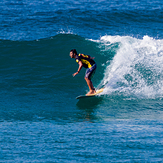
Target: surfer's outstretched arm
{"type": "Point", "coordinates": [80, 67]}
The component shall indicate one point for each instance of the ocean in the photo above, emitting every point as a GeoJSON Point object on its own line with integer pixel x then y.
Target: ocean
{"type": "Point", "coordinates": [40, 118]}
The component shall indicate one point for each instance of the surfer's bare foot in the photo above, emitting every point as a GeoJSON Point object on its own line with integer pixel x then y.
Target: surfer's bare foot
{"type": "Point", "coordinates": [91, 92]}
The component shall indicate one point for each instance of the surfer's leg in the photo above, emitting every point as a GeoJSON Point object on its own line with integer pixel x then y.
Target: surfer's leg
{"type": "Point", "coordinates": [90, 85]}
{"type": "Point", "coordinates": [88, 75]}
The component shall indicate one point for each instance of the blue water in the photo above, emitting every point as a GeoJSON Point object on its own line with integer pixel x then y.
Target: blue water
{"type": "Point", "coordinates": [40, 119]}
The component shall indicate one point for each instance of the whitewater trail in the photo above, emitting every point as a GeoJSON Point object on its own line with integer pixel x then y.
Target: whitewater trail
{"type": "Point", "coordinates": [136, 69]}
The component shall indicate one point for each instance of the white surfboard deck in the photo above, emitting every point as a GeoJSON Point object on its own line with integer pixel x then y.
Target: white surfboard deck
{"type": "Point", "coordinates": [92, 95]}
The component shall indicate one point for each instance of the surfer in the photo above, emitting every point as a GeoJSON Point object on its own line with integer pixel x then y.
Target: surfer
{"type": "Point", "coordinates": [87, 62]}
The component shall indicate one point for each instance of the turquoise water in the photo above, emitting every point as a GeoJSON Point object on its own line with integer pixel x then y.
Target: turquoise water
{"type": "Point", "coordinates": [40, 119]}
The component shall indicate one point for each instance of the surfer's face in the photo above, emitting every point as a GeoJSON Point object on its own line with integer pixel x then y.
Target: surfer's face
{"type": "Point", "coordinates": [72, 55]}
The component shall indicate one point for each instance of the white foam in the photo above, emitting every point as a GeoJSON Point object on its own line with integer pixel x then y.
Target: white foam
{"type": "Point", "coordinates": [137, 67]}
{"type": "Point", "coordinates": [61, 31]}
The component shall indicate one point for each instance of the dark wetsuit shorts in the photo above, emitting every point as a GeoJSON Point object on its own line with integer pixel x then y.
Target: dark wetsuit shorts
{"type": "Point", "coordinates": [90, 72]}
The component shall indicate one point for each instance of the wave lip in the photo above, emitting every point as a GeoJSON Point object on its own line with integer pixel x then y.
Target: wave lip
{"type": "Point", "coordinates": [136, 69]}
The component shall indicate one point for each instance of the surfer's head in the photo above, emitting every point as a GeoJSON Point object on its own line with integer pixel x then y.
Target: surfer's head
{"type": "Point", "coordinates": [73, 53]}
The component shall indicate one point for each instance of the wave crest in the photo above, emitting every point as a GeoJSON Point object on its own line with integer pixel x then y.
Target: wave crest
{"type": "Point", "coordinates": [136, 69]}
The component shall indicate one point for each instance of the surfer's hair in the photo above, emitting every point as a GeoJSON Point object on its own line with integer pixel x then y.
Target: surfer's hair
{"type": "Point", "coordinates": [74, 51]}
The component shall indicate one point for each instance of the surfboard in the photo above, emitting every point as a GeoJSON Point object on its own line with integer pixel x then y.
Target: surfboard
{"type": "Point", "coordinates": [92, 95]}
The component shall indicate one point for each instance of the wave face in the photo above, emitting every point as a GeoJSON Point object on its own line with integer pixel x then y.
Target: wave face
{"type": "Point", "coordinates": [136, 69]}
{"type": "Point", "coordinates": [126, 66]}
{"type": "Point", "coordinates": [36, 73]}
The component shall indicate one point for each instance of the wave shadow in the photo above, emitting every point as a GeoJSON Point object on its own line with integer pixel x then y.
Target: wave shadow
{"type": "Point", "coordinates": [88, 107]}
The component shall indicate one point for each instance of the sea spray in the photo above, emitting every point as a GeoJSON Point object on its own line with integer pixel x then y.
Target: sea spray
{"type": "Point", "coordinates": [136, 69]}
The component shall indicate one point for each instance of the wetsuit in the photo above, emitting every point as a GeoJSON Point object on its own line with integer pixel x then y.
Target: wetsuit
{"type": "Point", "coordinates": [87, 63]}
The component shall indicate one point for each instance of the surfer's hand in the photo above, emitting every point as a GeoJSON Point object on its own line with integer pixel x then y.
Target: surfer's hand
{"type": "Point", "coordinates": [75, 74]}
{"type": "Point", "coordinates": [92, 57]}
